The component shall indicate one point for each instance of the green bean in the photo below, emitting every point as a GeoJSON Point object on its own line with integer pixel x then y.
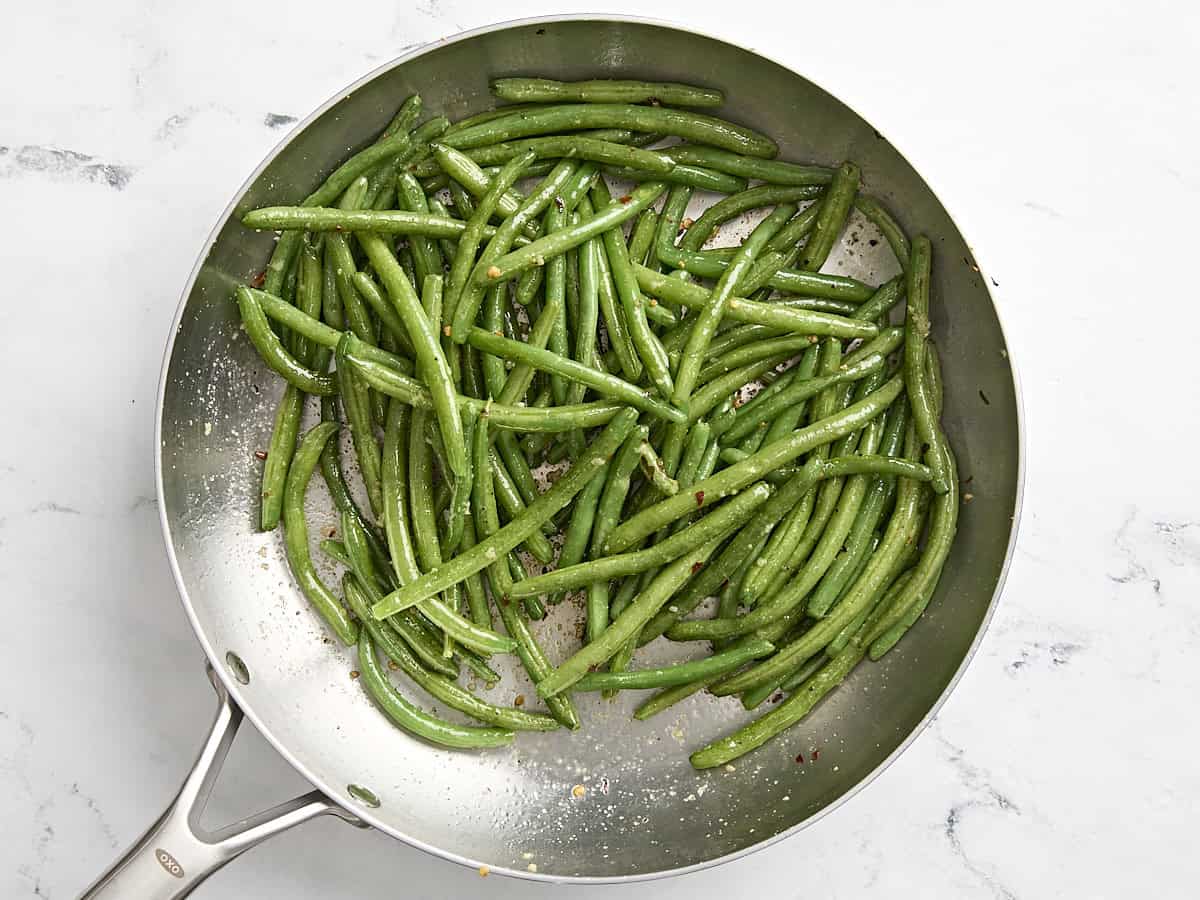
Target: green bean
{"type": "Point", "coordinates": [668, 697]}
{"type": "Point", "coordinates": [797, 393]}
{"type": "Point", "coordinates": [752, 198]}
{"type": "Point", "coordinates": [695, 127]}
{"type": "Point", "coordinates": [449, 246]}
{"type": "Point", "coordinates": [900, 533]}
{"type": "Point", "coordinates": [649, 349]}
{"type": "Point", "coordinates": [943, 523]}
{"type": "Point", "coordinates": [420, 637]}
{"type": "Point", "coordinates": [405, 118]}
{"type": "Point", "coordinates": [405, 565]}
{"type": "Point", "coordinates": [536, 664]}
{"type": "Point", "coordinates": [335, 550]}
{"type": "Point", "coordinates": [430, 359]}
{"type": "Point", "coordinates": [427, 258]}
{"type": "Point", "coordinates": [933, 374]}
{"type": "Point", "coordinates": [536, 253]}
{"type": "Point", "coordinates": [772, 171]}
{"type": "Point", "coordinates": [858, 541]}
{"type": "Point", "coordinates": [574, 146]}
{"type": "Point", "coordinates": [533, 606]}
{"type": "Point", "coordinates": [494, 546]}
{"type": "Point", "coordinates": [740, 309]}
{"type": "Point", "coordinates": [608, 512]}
{"type": "Point", "coordinates": [655, 472]}
{"type": "Point", "coordinates": [628, 624]}
{"type": "Point", "coordinates": [729, 481]}
{"type": "Point", "coordinates": [477, 603]}
{"type": "Point", "coordinates": [488, 515]}
{"type": "Point", "coordinates": [544, 90]}
{"type": "Point", "coordinates": [831, 218]}
{"type": "Point", "coordinates": [296, 534]}
{"type": "Point", "coordinates": [797, 589]}
{"type": "Point", "coordinates": [588, 316]}
{"type": "Point", "coordinates": [916, 334]}
{"type": "Point", "coordinates": [355, 403]}
{"type": "Point", "coordinates": [731, 514]}
{"type": "Point", "coordinates": [790, 547]}
{"type": "Point", "coordinates": [366, 287]}
{"type": "Point", "coordinates": [806, 670]}
{"type": "Point", "coordinates": [517, 468]}
{"type": "Point", "coordinates": [415, 720]}
{"type": "Point", "coordinates": [308, 299]}
{"type": "Point", "coordinates": [711, 394]}
{"type": "Point", "coordinates": [463, 169]}
{"type": "Point", "coordinates": [669, 227]}
{"type": "Point", "coordinates": [892, 232]}
{"type": "Point", "coordinates": [723, 358]}
{"type": "Point", "coordinates": [689, 176]}
{"type": "Point", "coordinates": [621, 136]}
{"type": "Point", "coordinates": [711, 313]}
{"type": "Point", "coordinates": [439, 686]}
{"type": "Point", "coordinates": [331, 301]}
{"type": "Point", "coordinates": [643, 236]}
{"type": "Point", "coordinates": [420, 493]}
{"type": "Point", "coordinates": [394, 492]}
{"type": "Point", "coordinates": [279, 455]}
{"type": "Point", "coordinates": [382, 189]}
{"type": "Point", "coordinates": [579, 528]}
{"type": "Point", "coordinates": [487, 115]}
{"type": "Point", "coordinates": [356, 315]}
{"type": "Point", "coordinates": [607, 385]}
{"type": "Point", "coordinates": [342, 177]}
{"type": "Point", "coordinates": [272, 351]}
{"type": "Point", "coordinates": [888, 295]}
{"type": "Point", "coordinates": [531, 207]}
{"type": "Point", "coordinates": [513, 504]}
{"type": "Point", "coordinates": [782, 717]}
{"type": "Point", "coordinates": [395, 383]}
{"type": "Point", "coordinates": [612, 310]}
{"type": "Point", "coordinates": [678, 674]}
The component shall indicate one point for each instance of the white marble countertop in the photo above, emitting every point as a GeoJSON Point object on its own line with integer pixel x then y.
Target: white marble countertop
{"type": "Point", "coordinates": [1063, 137]}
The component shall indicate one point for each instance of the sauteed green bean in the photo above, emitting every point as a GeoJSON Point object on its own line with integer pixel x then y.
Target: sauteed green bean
{"type": "Point", "coordinates": [572, 413]}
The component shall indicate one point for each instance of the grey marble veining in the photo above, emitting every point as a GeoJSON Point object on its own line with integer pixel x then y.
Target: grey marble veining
{"type": "Point", "coordinates": [1063, 138]}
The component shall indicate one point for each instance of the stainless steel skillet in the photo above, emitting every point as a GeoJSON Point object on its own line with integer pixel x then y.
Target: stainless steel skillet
{"type": "Point", "coordinates": [645, 813]}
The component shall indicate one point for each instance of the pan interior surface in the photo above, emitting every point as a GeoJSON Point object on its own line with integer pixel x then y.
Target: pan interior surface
{"type": "Point", "coordinates": [643, 809]}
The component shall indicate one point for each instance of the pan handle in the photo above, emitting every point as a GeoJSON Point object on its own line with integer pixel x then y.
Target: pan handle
{"type": "Point", "coordinates": [176, 854]}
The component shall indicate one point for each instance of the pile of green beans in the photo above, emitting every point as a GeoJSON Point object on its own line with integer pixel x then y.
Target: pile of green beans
{"type": "Point", "coordinates": [491, 304]}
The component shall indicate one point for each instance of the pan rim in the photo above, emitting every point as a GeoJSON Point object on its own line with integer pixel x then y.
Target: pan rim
{"type": "Point", "coordinates": [235, 688]}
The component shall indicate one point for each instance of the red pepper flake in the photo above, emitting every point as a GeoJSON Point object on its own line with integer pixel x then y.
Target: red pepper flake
{"type": "Point", "coordinates": [800, 758]}
{"type": "Point", "coordinates": [697, 566]}
{"type": "Point", "coordinates": [699, 498]}
{"type": "Point", "coordinates": [626, 198]}
{"type": "Point", "coordinates": [259, 280]}
{"type": "Point", "coordinates": [816, 754]}
{"type": "Point", "coordinates": [260, 454]}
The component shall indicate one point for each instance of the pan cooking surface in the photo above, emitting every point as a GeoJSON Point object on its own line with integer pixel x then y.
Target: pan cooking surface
{"type": "Point", "coordinates": [619, 797]}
